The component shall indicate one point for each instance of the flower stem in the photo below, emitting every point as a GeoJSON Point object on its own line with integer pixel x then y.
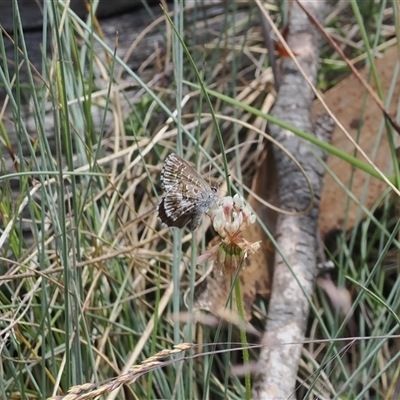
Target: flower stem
{"type": "Point", "coordinates": [243, 338]}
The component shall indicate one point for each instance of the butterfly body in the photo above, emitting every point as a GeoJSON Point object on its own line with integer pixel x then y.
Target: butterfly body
{"type": "Point", "coordinates": [187, 195]}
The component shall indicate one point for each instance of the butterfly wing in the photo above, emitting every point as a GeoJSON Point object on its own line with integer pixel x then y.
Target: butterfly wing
{"type": "Point", "coordinates": [187, 196]}
{"type": "Point", "coordinates": [180, 206]}
{"type": "Point", "coordinates": [172, 213]}
{"type": "Point", "coordinates": [177, 170]}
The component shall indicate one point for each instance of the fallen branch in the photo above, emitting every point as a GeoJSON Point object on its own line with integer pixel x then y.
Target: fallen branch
{"type": "Point", "coordinates": [295, 261]}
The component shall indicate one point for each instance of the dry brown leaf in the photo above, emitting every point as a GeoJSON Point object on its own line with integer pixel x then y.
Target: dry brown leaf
{"type": "Point", "coordinates": [212, 294]}
{"type": "Point", "coordinates": [346, 102]}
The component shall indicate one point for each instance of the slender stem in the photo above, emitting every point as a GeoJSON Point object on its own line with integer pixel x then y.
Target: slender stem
{"type": "Point", "coordinates": [243, 338]}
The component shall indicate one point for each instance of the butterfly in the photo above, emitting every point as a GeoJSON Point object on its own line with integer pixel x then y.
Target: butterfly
{"type": "Point", "coordinates": [187, 195]}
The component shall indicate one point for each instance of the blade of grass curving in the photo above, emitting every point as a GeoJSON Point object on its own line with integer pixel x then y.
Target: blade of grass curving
{"type": "Point", "coordinates": [370, 55]}
{"type": "Point", "coordinates": [219, 136]}
{"type": "Point", "coordinates": [202, 87]}
{"type": "Point", "coordinates": [323, 145]}
{"type": "Point", "coordinates": [128, 70]}
{"type": "Point", "coordinates": [177, 56]}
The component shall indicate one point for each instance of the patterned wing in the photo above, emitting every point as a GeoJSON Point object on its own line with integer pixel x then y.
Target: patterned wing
{"type": "Point", "coordinates": [179, 223]}
{"type": "Point", "coordinates": [175, 213]}
{"type": "Point", "coordinates": [187, 196]}
{"type": "Point", "coordinates": [177, 170]}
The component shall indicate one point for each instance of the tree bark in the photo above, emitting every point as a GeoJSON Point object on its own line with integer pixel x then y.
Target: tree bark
{"type": "Point", "coordinates": [295, 261]}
